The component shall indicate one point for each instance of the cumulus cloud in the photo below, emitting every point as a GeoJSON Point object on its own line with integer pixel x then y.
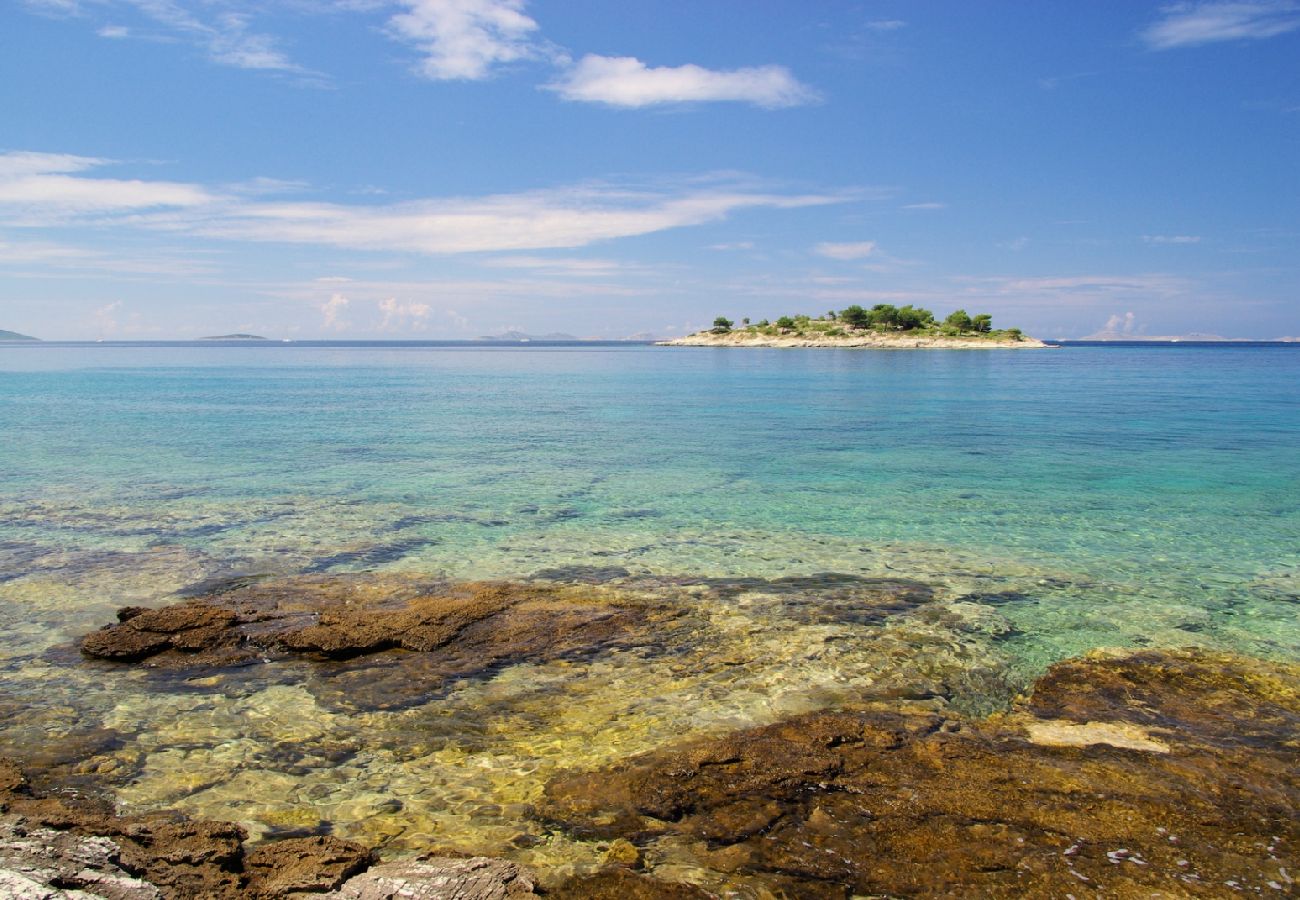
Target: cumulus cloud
{"type": "Point", "coordinates": [1121, 324]}
{"type": "Point", "coordinates": [1193, 24]}
{"type": "Point", "coordinates": [464, 39]}
{"type": "Point", "coordinates": [332, 309]}
{"type": "Point", "coordinates": [625, 81]}
{"type": "Point", "coordinates": [52, 189]}
{"type": "Point", "coordinates": [400, 316]}
{"type": "Point", "coordinates": [849, 251]}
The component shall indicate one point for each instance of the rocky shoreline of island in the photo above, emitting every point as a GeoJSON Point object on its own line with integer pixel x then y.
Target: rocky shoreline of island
{"type": "Point", "coordinates": [1130, 772]}
{"type": "Point", "coordinates": [883, 327]}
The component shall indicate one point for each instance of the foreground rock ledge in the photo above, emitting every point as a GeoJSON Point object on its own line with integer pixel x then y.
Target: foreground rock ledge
{"type": "Point", "coordinates": [70, 848]}
{"type": "Point", "coordinates": [1155, 774]}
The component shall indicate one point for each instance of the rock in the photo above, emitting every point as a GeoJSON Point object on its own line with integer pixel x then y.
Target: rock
{"type": "Point", "coordinates": [620, 884]}
{"type": "Point", "coordinates": [448, 630]}
{"type": "Point", "coordinates": [200, 631]}
{"type": "Point", "coordinates": [45, 865]}
{"type": "Point", "coordinates": [1153, 773]}
{"type": "Point", "coordinates": [442, 878]}
{"type": "Point", "coordinates": [623, 853]}
{"type": "Point", "coordinates": [307, 865]}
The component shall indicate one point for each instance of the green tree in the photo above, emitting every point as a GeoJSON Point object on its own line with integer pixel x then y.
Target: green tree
{"type": "Point", "coordinates": [721, 325]}
{"type": "Point", "coordinates": [910, 318]}
{"type": "Point", "coordinates": [855, 317]}
{"type": "Point", "coordinates": [982, 323]}
{"type": "Point", "coordinates": [785, 322]}
{"type": "Point", "coordinates": [959, 320]}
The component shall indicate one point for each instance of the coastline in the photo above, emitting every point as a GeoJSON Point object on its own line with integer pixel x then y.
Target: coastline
{"type": "Point", "coordinates": [868, 341]}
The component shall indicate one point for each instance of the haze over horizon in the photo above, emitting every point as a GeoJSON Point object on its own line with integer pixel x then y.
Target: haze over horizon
{"type": "Point", "coordinates": [445, 169]}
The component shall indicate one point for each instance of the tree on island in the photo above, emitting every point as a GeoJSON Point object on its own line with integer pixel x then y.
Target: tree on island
{"type": "Point", "coordinates": [785, 322]}
{"type": "Point", "coordinates": [721, 325]}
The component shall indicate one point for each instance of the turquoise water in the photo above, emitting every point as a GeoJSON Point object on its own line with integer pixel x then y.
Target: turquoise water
{"type": "Point", "coordinates": [1056, 501]}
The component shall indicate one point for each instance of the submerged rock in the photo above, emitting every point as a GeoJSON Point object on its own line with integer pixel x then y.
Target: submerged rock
{"type": "Point", "coordinates": [1181, 776]}
{"type": "Point", "coordinates": [461, 629]}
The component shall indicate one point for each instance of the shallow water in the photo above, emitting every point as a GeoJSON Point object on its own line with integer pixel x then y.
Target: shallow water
{"type": "Point", "coordinates": [1053, 501]}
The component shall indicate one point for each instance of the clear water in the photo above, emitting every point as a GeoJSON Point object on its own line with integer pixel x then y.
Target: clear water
{"type": "Point", "coordinates": [1055, 500]}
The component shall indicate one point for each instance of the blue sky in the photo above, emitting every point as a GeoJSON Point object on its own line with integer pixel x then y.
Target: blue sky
{"type": "Point", "coordinates": [455, 168]}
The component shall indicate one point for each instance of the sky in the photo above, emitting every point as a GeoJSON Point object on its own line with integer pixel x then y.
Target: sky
{"type": "Point", "coordinates": [447, 169]}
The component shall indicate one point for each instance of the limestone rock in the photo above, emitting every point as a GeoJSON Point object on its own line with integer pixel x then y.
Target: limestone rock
{"type": "Point", "coordinates": [442, 878]}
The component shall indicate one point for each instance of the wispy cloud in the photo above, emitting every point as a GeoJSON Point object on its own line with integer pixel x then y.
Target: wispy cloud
{"type": "Point", "coordinates": [560, 265]}
{"type": "Point", "coordinates": [224, 34]}
{"type": "Point", "coordinates": [36, 188]}
{"type": "Point", "coordinates": [1193, 24]}
{"type": "Point", "coordinates": [847, 251]}
{"type": "Point", "coordinates": [626, 82]}
{"type": "Point", "coordinates": [464, 39]}
{"type": "Point", "coordinates": [1171, 239]}
{"type": "Point", "coordinates": [54, 189]}
{"type": "Point", "coordinates": [930, 205]}
{"type": "Point", "coordinates": [885, 24]}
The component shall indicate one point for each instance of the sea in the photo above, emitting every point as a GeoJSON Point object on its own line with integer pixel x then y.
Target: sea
{"type": "Point", "coordinates": [1052, 502]}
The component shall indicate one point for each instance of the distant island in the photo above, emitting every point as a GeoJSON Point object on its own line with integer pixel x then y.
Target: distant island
{"type": "Point", "coordinates": [15, 336]}
{"type": "Point", "coordinates": [520, 336]}
{"type": "Point", "coordinates": [882, 327]}
{"type": "Point", "coordinates": [234, 337]}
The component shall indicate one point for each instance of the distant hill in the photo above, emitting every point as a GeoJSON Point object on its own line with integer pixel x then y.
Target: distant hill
{"type": "Point", "coordinates": [234, 337]}
{"type": "Point", "coordinates": [15, 336]}
{"type": "Point", "coordinates": [520, 336]}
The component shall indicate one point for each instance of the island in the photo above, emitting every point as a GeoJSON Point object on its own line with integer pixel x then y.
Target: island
{"type": "Point", "coordinates": [884, 327]}
{"type": "Point", "coordinates": [234, 337]}
{"type": "Point", "coordinates": [15, 336]}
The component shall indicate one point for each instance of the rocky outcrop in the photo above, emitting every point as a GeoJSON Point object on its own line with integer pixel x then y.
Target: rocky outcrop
{"type": "Point", "coordinates": [466, 628]}
{"type": "Point", "coordinates": [1175, 774]}
{"type": "Point", "coordinates": [62, 848]}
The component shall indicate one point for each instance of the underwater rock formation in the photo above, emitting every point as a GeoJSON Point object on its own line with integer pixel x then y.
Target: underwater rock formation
{"type": "Point", "coordinates": [468, 628]}
{"type": "Point", "coordinates": [1172, 772]}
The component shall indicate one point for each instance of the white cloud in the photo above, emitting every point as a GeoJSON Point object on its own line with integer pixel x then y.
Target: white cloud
{"type": "Point", "coordinates": [563, 265]}
{"type": "Point", "coordinates": [225, 36]}
{"type": "Point", "coordinates": [885, 24]}
{"type": "Point", "coordinates": [50, 190]}
{"type": "Point", "coordinates": [400, 316]}
{"type": "Point", "coordinates": [857, 250]}
{"type": "Point", "coordinates": [930, 205]}
{"type": "Point", "coordinates": [1193, 24]}
{"type": "Point", "coordinates": [1121, 324]}
{"type": "Point", "coordinates": [625, 81]}
{"type": "Point", "coordinates": [734, 245]}
{"type": "Point", "coordinates": [463, 39]}
{"type": "Point", "coordinates": [1171, 238]}
{"type": "Point", "coordinates": [332, 309]}
{"type": "Point", "coordinates": [45, 186]}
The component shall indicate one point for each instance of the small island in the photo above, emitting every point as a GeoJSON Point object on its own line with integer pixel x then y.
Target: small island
{"type": "Point", "coordinates": [883, 326]}
{"type": "Point", "coordinates": [15, 336]}
{"type": "Point", "coordinates": [234, 337]}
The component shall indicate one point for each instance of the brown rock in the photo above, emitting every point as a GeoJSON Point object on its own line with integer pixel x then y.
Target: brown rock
{"type": "Point", "coordinates": [898, 804]}
{"type": "Point", "coordinates": [620, 884]}
{"type": "Point", "coordinates": [449, 631]}
{"type": "Point", "coordinates": [303, 865]}
{"type": "Point", "coordinates": [200, 631]}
